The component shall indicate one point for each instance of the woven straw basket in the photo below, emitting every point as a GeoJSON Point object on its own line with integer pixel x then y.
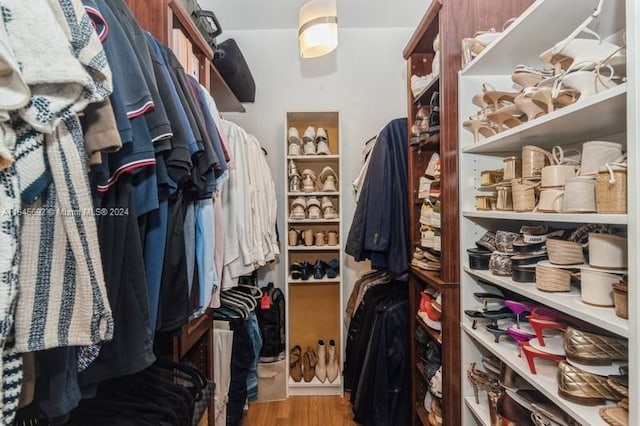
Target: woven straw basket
{"type": "Point", "coordinates": [620, 299]}
{"type": "Point", "coordinates": [563, 252]}
{"type": "Point", "coordinates": [611, 190]}
{"type": "Point", "coordinates": [552, 279]}
{"type": "Point", "coordinates": [524, 195]}
{"type": "Point", "coordinates": [534, 159]}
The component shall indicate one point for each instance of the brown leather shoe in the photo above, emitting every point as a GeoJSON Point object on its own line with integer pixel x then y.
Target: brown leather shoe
{"type": "Point", "coordinates": [309, 361]}
{"type": "Point", "coordinates": [295, 363]}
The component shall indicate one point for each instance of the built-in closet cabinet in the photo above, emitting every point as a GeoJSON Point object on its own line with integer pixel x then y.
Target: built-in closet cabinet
{"type": "Point", "coordinates": [314, 304]}
{"type": "Point", "coordinates": [452, 20]}
{"type": "Point", "coordinates": [610, 115]}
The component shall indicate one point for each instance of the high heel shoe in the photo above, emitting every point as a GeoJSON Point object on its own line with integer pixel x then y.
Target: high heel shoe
{"type": "Point", "coordinates": [482, 380]}
{"type": "Point", "coordinates": [529, 107]}
{"type": "Point", "coordinates": [506, 117]}
{"type": "Point", "coordinates": [493, 316]}
{"type": "Point", "coordinates": [573, 50]}
{"type": "Point", "coordinates": [518, 308]}
{"type": "Point", "coordinates": [486, 297]}
{"type": "Point", "coordinates": [497, 98]}
{"type": "Point", "coordinates": [526, 76]}
{"type": "Point", "coordinates": [550, 99]}
{"type": "Point", "coordinates": [589, 82]}
{"type": "Point", "coordinates": [496, 331]}
{"type": "Point", "coordinates": [539, 324]}
{"type": "Point", "coordinates": [531, 353]}
{"type": "Point", "coordinates": [479, 126]}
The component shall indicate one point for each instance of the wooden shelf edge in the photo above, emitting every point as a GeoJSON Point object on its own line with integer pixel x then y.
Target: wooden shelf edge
{"type": "Point", "coordinates": [435, 334]}
{"type": "Point", "coordinates": [425, 23]}
{"type": "Point", "coordinates": [422, 415]}
{"type": "Point", "coordinates": [432, 278]}
{"type": "Point", "coordinates": [420, 369]}
{"type": "Point", "coordinates": [226, 100]}
{"type": "Point", "coordinates": [193, 32]}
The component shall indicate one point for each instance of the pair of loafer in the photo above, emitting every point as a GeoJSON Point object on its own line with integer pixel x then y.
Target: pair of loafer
{"type": "Point", "coordinates": [305, 270]}
{"type": "Point", "coordinates": [322, 268]}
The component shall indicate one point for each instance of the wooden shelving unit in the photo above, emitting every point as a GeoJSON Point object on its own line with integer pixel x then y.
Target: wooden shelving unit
{"type": "Point", "coordinates": [451, 20]}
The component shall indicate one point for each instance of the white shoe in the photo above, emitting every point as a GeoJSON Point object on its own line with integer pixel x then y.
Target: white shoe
{"type": "Point", "coordinates": [424, 187]}
{"type": "Point", "coordinates": [328, 180]}
{"type": "Point", "coordinates": [418, 83]}
{"type": "Point", "coordinates": [294, 141]}
{"type": "Point", "coordinates": [313, 208]}
{"type": "Point", "coordinates": [329, 209]}
{"type": "Point", "coordinates": [298, 209]}
{"type": "Point", "coordinates": [427, 236]}
{"type": "Point", "coordinates": [322, 145]}
{"type": "Point", "coordinates": [308, 180]}
{"type": "Point", "coordinates": [308, 140]}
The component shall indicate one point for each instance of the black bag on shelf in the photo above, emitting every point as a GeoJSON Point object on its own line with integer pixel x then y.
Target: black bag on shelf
{"type": "Point", "coordinates": [205, 20]}
{"type": "Point", "coordinates": [233, 68]}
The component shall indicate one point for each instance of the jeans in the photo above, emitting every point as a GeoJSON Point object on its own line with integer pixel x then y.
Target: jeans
{"type": "Point", "coordinates": [253, 329]}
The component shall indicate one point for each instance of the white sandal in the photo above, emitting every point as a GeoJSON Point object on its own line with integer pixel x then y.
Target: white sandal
{"type": "Point", "coordinates": [294, 141]}
{"type": "Point", "coordinates": [298, 209]}
{"type": "Point", "coordinates": [313, 208]}
{"type": "Point", "coordinates": [308, 140]}
{"type": "Point", "coordinates": [328, 180]}
{"type": "Point", "coordinates": [322, 146]}
{"type": "Point", "coordinates": [328, 208]}
{"type": "Point", "coordinates": [308, 180]}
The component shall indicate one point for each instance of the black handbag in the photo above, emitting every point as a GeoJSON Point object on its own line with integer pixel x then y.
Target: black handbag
{"type": "Point", "coordinates": [205, 20]}
{"type": "Point", "coordinates": [233, 68]}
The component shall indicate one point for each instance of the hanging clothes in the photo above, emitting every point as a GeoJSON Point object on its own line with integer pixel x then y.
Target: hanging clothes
{"type": "Point", "coordinates": [379, 230]}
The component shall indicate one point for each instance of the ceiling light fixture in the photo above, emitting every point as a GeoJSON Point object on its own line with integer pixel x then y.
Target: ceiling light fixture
{"type": "Point", "coordinates": [317, 28]}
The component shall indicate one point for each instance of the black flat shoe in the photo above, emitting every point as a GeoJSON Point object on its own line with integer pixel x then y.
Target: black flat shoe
{"type": "Point", "coordinates": [333, 268]}
{"type": "Point", "coordinates": [296, 271]}
{"type": "Point", "coordinates": [319, 269]}
{"type": "Point", "coordinates": [306, 270]}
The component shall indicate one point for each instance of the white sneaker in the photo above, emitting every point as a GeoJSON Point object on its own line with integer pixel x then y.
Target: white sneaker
{"type": "Point", "coordinates": [418, 83]}
{"type": "Point", "coordinates": [424, 187]}
{"type": "Point", "coordinates": [427, 235]}
{"type": "Point", "coordinates": [308, 141]}
{"type": "Point", "coordinates": [322, 145]}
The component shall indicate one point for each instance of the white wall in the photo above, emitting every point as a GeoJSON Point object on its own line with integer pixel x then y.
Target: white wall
{"type": "Point", "coordinates": [365, 79]}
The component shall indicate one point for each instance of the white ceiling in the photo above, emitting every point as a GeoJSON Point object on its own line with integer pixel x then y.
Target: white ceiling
{"type": "Point", "coordinates": [278, 14]}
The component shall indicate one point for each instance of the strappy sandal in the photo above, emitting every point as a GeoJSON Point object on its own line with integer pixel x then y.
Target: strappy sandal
{"type": "Point", "coordinates": [309, 361]}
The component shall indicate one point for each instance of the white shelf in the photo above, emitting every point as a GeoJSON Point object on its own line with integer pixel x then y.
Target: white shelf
{"type": "Point", "coordinates": [569, 302]}
{"type": "Point", "coordinates": [480, 411]}
{"type": "Point", "coordinates": [312, 280]}
{"type": "Point", "coordinates": [313, 157]}
{"type": "Point", "coordinates": [612, 219]}
{"type": "Point", "coordinates": [314, 248]}
{"type": "Point", "coordinates": [545, 379]}
{"type": "Point", "coordinates": [316, 193]}
{"type": "Point", "coordinates": [314, 220]}
{"type": "Point", "coordinates": [315, 387]}
{"type": "Point", "coordinates": [598, 116]}
{"type": "Point", "coordinates": [540, 27]}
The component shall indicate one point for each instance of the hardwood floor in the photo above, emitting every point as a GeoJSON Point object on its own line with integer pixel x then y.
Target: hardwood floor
{"type": "Point", "coordinates": [301, 411]}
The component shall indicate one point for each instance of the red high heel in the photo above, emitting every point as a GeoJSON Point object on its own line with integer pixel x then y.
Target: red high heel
{"type": "Point", "coordinates": [541, 318]}
{"type": "Point", "coordinates": [530, 353]}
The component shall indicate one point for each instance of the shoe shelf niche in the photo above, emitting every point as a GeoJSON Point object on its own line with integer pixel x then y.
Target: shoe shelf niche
{"type": "Point", "coordinates": [314, 305]}
{"type": "Point", "coordinates": [609, 115]}
{"type": "Point", "coordinates": [449, 21]}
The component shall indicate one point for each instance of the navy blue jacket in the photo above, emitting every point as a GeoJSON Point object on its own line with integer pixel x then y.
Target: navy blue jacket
{"type": "Point", "coordinates": [380, 226]}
